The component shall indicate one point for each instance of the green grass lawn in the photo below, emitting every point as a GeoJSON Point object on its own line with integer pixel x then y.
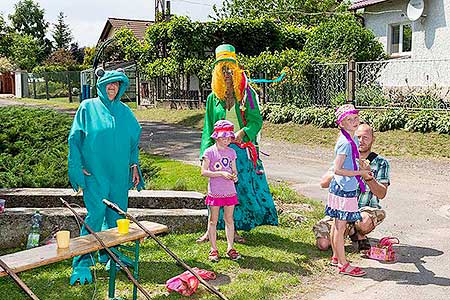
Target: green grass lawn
{"type": "Point", "coordinates": [275, 262]}
{"type": "Point", "coordinates": [176, 176]}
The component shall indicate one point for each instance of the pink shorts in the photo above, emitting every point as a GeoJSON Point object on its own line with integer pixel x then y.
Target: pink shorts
{"type": "Point", "coordinates": [222, 201]}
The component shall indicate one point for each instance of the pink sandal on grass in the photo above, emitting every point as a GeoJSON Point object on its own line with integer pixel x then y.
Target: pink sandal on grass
{"type": "Point", "coordinates": [213, 256]}
{"type": "Point", "coordinates": [353, 271]}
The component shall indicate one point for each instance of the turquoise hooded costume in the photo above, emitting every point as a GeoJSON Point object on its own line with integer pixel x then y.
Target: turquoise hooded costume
{"type": "Point", "coordinates": [104, 141]}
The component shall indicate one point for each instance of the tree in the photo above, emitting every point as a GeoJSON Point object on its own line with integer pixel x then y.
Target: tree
{"type": "Point", "coordinates": [77, 53]}
{"type": "Point", "coordinates": [62, 35]}
{"type": "Point", "coordinates": [6, 65]}
{"type": "Point", "coordinates": [282, 10]}
{"type": "Point", "coordinates": [89, 53]}
{"type": "Point", "coordinates": [61, 57]}
{"type": "Point", "coordinates": [5, 38]}
{"type": "Point", "coordinates": [24, 50]}
{"type": "Point", "coordinates": [341, 38]}
{"type": "Point", "coordinates": [28, 18]}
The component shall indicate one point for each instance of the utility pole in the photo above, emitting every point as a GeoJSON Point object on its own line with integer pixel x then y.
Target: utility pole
{"type": "Point", "coordinates": [162, 13]}
{"type": "Point", "coordinates": [160, 10]}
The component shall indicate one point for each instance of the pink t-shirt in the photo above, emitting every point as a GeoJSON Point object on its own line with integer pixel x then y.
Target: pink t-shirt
{"type": "Point", "coordinates": [220, 160]}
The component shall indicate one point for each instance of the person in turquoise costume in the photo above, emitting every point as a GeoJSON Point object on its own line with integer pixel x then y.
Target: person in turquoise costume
{"type": "Point", "coordinates": [103, 160]}
{"type": "Point", "coordinates": [233, 98]}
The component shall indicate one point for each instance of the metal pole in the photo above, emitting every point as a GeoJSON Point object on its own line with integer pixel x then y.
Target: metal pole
{"type": "Point", "coordinates": [113, 256]}
{"type": "Point", "coordinates": [69, 86]}
{"type": "Point", "coordinates": [152, 235]}
{"type": "Point", "coordinates": [46, 86]}
{"type": "Point", "coordinates": [351, 81]}
{"type": "Point", "coordinates": [18, 281]}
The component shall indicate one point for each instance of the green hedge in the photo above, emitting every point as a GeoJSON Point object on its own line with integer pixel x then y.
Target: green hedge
{"type": "Point", "coordinates": [381, 120]}
{"type": "Point", "coordinates": [33, 148]}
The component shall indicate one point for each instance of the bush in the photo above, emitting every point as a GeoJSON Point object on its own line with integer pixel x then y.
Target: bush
{"type": "Point", "coordinates": [422, 121]}
{"type": "Point", "coordinates": [390, 120]}
{"type": "Point", "coordinates": [324, 118]}
{"type": "Point", "coordinates": [443, 123]}
{"type": "Point", "coordinates": [371, 95]}
{"type": "Point", "coordinates": [367, 116]}
{"type": "Point", "coordinates": [33, 148]}
{"type": "Point", "coordinates": [304, 116]}
{"type": "Point", "coordinates": [281, 114]}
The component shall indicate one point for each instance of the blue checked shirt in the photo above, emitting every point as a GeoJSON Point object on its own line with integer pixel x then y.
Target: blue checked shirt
{"type": "Point", "coordinates": [380, 169]}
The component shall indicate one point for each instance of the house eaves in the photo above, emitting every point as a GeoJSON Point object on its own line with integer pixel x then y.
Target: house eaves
{"type": "Point", "coordinates": [364, 3]}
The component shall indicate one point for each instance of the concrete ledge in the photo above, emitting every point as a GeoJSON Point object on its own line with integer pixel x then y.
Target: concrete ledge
{"type": "Point", "coordinates": [15, 222]}
{"type": "Point", "coordinates": [41, 198]}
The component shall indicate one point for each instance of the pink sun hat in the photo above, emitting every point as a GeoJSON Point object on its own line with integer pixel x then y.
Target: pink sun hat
{"type": "Point", "coordinates": [343, 111]}
{"type": "Point", "coordinates": [223, 128]}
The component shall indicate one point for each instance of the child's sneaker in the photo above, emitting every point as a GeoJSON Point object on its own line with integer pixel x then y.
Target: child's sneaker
{"type": "Point", "coordinates": [213, 256]}
{"type": "Point", "coordinates": [233, 254]}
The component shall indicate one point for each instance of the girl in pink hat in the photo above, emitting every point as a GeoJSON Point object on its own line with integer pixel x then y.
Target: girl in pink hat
{"type": "Point", "coordinates": [342, 204]}
{"type": "Point", "coordinates": [219, 164]}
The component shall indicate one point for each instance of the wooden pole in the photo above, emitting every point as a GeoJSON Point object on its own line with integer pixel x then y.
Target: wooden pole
{"type": "Point", "coordinates": [18, 281]}
{"type": "Point", "coordinates": [153, 236]}
{"type": "Point", "coordinates": [113, 256]}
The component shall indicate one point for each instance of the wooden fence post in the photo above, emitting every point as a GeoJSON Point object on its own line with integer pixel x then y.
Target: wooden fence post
{"type": "Point", "coordinates": [351, 81]}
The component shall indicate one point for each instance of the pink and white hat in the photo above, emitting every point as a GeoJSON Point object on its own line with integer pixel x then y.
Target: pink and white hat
{"type": "Point", "coordinates": [223, 128]}
{"type": "Point", "coordinates": [343, 111]}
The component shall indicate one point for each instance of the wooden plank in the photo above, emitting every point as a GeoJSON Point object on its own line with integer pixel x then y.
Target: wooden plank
{"type": "Point", "coordinates": [44, 255]}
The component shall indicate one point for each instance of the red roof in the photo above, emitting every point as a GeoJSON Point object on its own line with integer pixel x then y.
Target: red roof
{"type": "Point", "coordinates": [138, 27]}
{"type": "Point", "coordinates": [364, 3]}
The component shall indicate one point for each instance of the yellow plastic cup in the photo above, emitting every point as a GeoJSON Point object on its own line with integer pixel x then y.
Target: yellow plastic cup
{"type": "Point", "coordinates": [123, 226]}
{"type": "Point", "coordinates": [63, 238]}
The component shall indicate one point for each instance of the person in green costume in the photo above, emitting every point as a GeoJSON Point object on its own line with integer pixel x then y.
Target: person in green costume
{"type": "Point", "coordinates": [103, 160]}
{"type": "Point", "coordinates": [233, 98]}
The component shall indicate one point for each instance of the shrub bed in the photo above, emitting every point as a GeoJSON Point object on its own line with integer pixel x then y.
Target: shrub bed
{"type": "Point", "coordinates": [33, 149]}
{"type": "Point", "coordinates": [381, 120]}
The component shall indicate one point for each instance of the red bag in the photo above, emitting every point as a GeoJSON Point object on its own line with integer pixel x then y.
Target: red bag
{"type": "Point", "coordinates": [384, 251]}
{"type": "Point", "coordinates": [186, 283]}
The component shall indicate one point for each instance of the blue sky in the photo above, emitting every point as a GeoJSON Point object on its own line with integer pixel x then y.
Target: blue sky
{"type": "Point", "coordinates": [86, 18]}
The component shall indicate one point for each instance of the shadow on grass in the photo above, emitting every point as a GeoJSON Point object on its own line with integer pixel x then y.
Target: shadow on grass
{"type": "Point", "coordinates": [262, 264]}
{"type": "Point", "coordinates": [277, 242]}
{"type": "Point", "coordinates": [191, 121]}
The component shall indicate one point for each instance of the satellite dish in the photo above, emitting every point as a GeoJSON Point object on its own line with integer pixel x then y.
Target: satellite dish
{"type": "Point", "coordinates": [415, 9]}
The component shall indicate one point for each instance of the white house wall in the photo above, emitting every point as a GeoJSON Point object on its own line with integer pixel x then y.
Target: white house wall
{"type": "Point", "coordinates": [431, 34]}
{"type": "Point", "coordinates": [429, 61]}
